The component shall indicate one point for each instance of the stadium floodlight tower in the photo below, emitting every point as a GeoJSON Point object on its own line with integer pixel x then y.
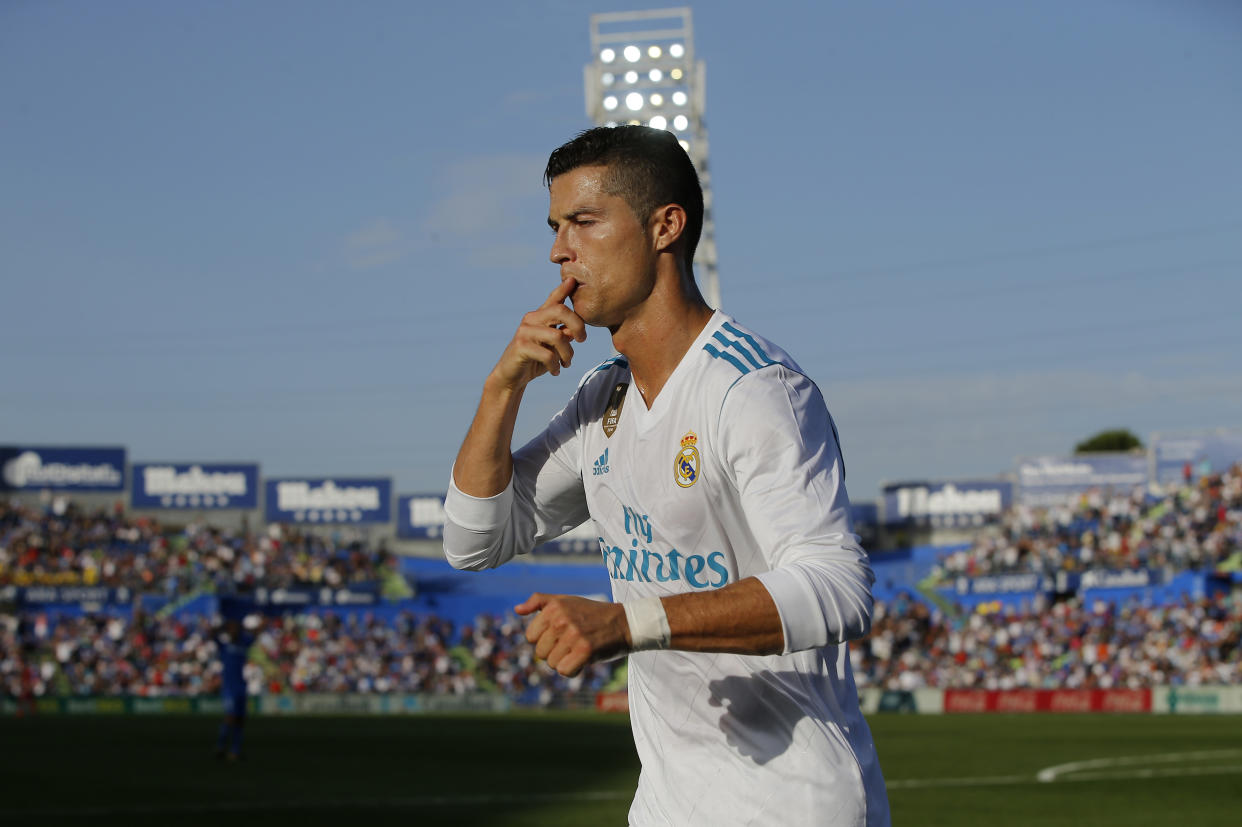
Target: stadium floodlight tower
{"type": "Point", "coordinates": [643, 71]}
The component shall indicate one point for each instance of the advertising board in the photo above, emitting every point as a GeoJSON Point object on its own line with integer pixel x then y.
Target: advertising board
{"type": "Point", "coordinates": [194, 485]}
{"type": "Point", "coordinates": [1047, 700]}
{"type": "Point", "coordinates": [1045, 481]}
{"type": "Point", "coordinates": [1197, 700]}
{"type": "Point", "coordinates": [35, 468]}
{"type": "Point", "coordinates": [959, 504]}
{"type": "Point", "coordinates": [329, 500]}
{"type": "Point", "coordinates": [87, 597]}
{"type": "Point", "coordinates": [294, 598]}
{"type": "Point", "coordinates": [420, 516]}
{"type": "Point", "coordinates": [1178, 457]}
{"type": "Point", "coordinates": [1023, 583]}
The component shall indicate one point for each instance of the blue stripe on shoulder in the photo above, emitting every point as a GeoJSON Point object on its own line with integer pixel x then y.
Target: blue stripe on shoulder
{"type": "Point", "coordinates": [750, 340]}
{"type": "Point", "coordinates": [729, 343]}
{"type": "Point", "coordinates": [728, 357]}
{"type": "Point", "coordinates": [619, 361]}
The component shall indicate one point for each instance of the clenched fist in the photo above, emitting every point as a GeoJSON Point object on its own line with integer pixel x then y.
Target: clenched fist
{"type": "Point", "coordinates": [571, 632]}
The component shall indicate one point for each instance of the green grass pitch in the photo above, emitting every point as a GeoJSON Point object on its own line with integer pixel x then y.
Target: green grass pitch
{"type": "Point", "coordinates": [580, 769]}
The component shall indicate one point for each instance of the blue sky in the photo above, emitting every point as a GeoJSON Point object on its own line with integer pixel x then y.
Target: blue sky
{"type": "Point", "coordinates": [301, 232]}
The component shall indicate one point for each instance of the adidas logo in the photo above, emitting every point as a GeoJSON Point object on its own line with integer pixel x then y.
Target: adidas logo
{"type": "Point", "coordinates": [601, 464]}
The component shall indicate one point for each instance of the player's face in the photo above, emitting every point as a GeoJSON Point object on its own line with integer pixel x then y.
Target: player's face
{"type": "Point", "coordinates": [601, 244]}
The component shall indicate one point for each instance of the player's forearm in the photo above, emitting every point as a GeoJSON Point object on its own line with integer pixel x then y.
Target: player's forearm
{"type": "Point", "coordinates": [485, 461]}
{"type": "Point", "coordinates": [740, 618]}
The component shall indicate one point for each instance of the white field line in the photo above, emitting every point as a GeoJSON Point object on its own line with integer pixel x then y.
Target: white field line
{"type": "Point", "coordinates": [1073, 768]}
{"type": "Point", "coordinates": [1122, 768]}
{"type": "Point", "coordinates": [1153, 772]}
{"type": "Point", "coordinates": [975, 781]}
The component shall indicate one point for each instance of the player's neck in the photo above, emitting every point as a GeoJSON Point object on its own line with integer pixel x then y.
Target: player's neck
{"type": "Point", "coordinates": [655, 339]}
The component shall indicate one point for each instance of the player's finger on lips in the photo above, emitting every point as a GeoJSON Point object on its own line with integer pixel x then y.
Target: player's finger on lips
{"type": "Point", "coordinates": [561, 292]}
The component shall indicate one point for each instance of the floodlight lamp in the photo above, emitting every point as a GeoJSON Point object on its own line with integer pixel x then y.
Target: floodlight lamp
{"type": "Point", "coordinates": [656, 75]}
{"type": "Point", "coordinates": [607, 55]}
{"type": "Point", "coordinates": [658, 122]}
{"type": "Point", "coordinates": [607, 78]}
{"type": "Point", "coordinates": [610, 123]}
{"type": "Point", "coordinates": [656, 99]}
{"type": "Point", "coordinates": [676, 50]}
{"type": "Point", "coordinates": [610, 103]}
{"type": "Point", "coordinates": [634, 101]}
{"type": "Point", "coordinates": [675, 74]}
{"type": "Point", "coordinates": [634, 122]}
{"type": "Point", "coordinates": [680, 123]}
{"type": "Point", "coordinates": [631, 76]}
{"type": "Point", "coordinates": [632, 54]}
{"type": "Point", "coordinates": [679, 98]}
{"type": "Point", "coordinates": [653, 51]}
{"type": "Point", "coordinates": [685, 145]}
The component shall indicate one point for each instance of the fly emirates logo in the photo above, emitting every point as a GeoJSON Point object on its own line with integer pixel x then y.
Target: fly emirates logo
{"type": "Point", "coordinates": [646, 566]}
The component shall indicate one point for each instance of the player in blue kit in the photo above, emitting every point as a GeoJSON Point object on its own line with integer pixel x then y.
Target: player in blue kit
{"type": "Point", "coordinates": [234, 639]}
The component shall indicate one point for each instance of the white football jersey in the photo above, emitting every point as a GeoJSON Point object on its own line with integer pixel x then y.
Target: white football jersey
{"type": "Point", "coordinates": [734, 471]}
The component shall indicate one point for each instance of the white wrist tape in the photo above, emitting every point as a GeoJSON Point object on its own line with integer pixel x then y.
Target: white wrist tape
{"type": "Point", "coordinates": [648, 624]}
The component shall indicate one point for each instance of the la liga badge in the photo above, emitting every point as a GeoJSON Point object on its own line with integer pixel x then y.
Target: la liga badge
{"type": "Point", "coordinates": [686, 463]}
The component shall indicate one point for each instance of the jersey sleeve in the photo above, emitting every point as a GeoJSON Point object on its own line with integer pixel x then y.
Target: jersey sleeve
{"type": "Point", "coordinates": [779, 443]}
{"type": "Point", "coordinates": [544, 499]}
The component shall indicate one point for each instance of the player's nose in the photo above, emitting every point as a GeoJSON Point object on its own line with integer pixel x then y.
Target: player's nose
{"type": "Point", "coordinates": [560, 250]}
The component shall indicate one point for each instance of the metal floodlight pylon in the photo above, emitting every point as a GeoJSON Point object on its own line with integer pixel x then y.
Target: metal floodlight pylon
{"type": "Point", "coordinates": [643, 71]}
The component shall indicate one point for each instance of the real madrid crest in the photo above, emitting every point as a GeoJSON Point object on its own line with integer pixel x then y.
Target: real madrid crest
{"type": "Point", "coordinates": [686, 464]}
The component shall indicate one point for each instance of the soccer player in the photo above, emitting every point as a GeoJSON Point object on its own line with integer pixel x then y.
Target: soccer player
{"type": "Point", "coordinates": [711, 469]}
{"type": "Point", "coordinates": [234, 639]}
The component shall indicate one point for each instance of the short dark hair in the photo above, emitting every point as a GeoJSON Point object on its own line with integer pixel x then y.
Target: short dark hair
{"type": "Point", "coordinates": [647, 167]}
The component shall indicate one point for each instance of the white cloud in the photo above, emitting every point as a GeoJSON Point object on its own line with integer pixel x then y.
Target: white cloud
{"type": "Point", "coordinates": [489, 202]}
{"type": "Point", "coordinates": [375, 244]}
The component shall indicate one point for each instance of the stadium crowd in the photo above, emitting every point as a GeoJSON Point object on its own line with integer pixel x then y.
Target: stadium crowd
{"type": "Point", "coordinates": [1194, 526]}
{"type": "Point", "coordinates": [911, 645]}
{"type": "Point", "coordinates": [1066, 645]}
{"type": "Point", "coordinates": [67, 545]}
{"type": "Point", "coordinates": [150, 656]}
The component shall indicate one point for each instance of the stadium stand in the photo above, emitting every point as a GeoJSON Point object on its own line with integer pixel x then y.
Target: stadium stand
{"type": "Point", "coordinates": [1190, 527]}
{"type": "Point", "coordinates": [457, 636]}
{"type": "Point", "coordinates": [1065, 645]}
{"type": "Point", "coordinates": [93, 655]}
{"type": "Point", "coordinates": [66, 545]}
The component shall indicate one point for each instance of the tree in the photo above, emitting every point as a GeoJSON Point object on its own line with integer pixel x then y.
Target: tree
{"type": "Point", "coordinates": [1118, 440]}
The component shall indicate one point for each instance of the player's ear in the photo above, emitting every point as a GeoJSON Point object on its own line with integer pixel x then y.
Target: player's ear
{"type": "Point", "coordinates": [668, 223]}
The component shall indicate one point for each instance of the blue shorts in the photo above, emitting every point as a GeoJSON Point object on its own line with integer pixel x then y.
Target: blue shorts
{"type": "Point", "coordinates": [235, 704]}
